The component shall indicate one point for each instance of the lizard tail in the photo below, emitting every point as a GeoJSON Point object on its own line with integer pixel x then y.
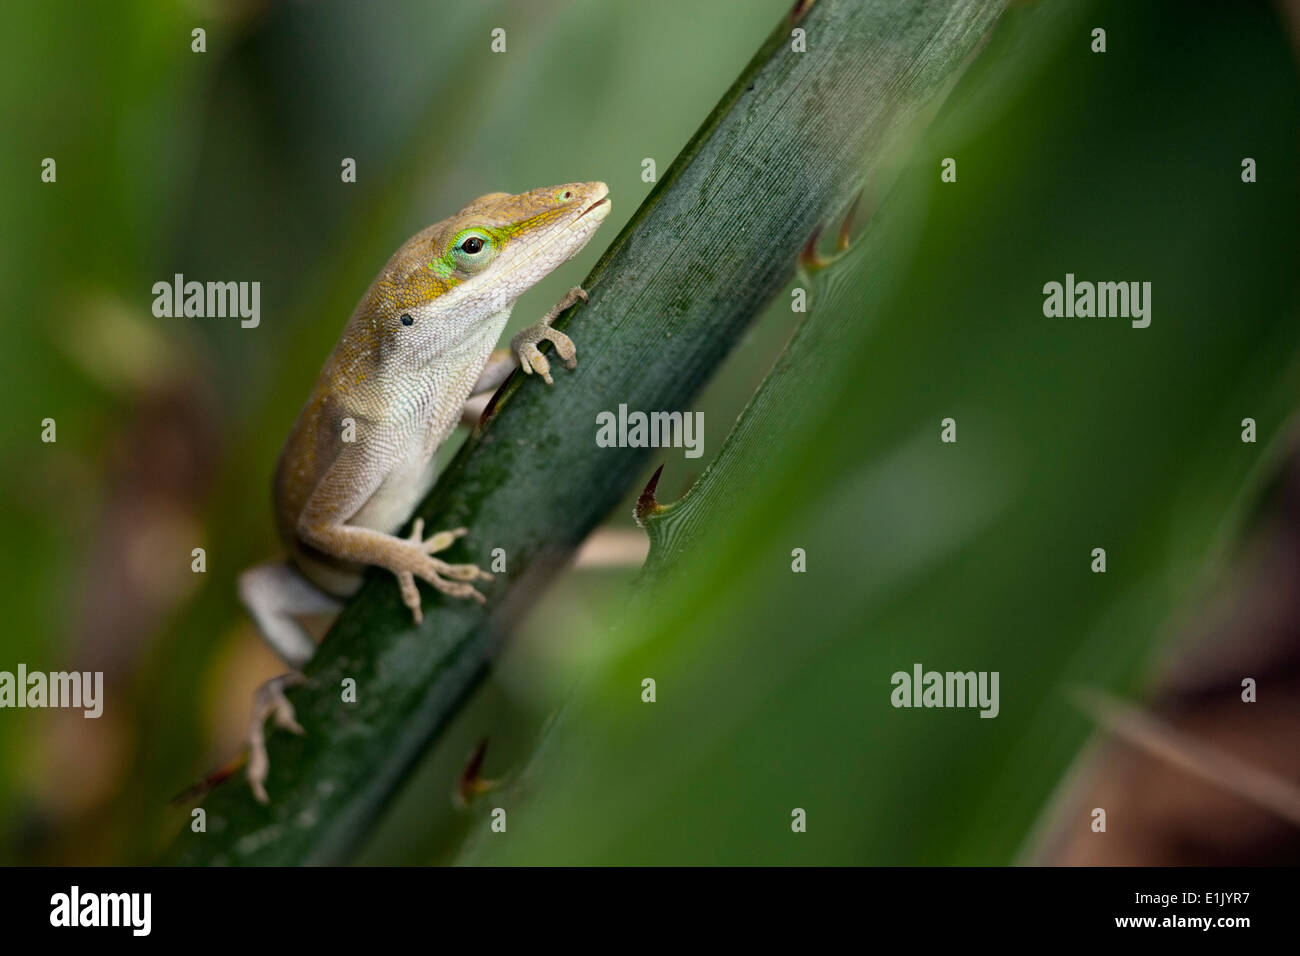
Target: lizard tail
{"type": "Point", "coordinates": [220, 775]}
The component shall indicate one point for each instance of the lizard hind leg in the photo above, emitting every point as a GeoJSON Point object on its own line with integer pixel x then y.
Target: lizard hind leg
{"type": "Point", "coordinates": [275, 594]}
{"type": "Point", "coordinates": [269, 701]}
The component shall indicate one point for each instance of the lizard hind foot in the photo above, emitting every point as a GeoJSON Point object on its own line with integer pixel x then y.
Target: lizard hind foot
{"type": "Point", "coordinates": [269, 701]}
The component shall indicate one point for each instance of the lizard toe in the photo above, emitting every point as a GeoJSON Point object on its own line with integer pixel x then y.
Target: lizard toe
{"type": "Point", "coordinates": [410, 594]}
{"type": "Point", "coordinates": [443, 540]}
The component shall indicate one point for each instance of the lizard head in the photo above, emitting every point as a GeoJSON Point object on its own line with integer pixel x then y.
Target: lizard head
{"type": "Point", "coordinates": [441, 285]}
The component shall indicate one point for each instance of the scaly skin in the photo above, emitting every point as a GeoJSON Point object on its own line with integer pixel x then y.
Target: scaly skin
{"type": "Point", "coordinates": [404, 386]}
{"type": "Point", "coordinates": [418, 345]}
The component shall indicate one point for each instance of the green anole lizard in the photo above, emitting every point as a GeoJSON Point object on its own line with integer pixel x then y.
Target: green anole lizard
{"type": "Point", "coordinates": [361, 454]}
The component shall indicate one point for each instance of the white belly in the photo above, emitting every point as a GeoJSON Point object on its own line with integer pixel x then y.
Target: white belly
{"type": "Point", "coordinates": [450, 383]}
{"type": "Point", "coordinates": [390, 506]}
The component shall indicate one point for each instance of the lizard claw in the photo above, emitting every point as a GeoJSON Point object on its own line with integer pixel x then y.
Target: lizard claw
{"type": "Point", "coordinates": [455, 588]}
{"type": "Point", "coordinates": [464, 572]}
{"type": "Point", "coordinates": [410, 594]}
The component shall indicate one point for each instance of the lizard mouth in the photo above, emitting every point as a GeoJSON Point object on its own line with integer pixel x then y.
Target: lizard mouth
{"type": "Point", "coordinates": [601, 207]}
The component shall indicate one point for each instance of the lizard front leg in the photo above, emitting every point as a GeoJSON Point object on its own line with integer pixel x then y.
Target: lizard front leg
{"type": "Point", "coordinates": [523, 352]}
{"type": "Point", "coordinates": [525, 343]}
{"type": "Point", "coordinates": [339, 495]}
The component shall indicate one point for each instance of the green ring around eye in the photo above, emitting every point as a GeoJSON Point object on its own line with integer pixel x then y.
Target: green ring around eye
{"type": "Point", "coordinates": [471, 242]}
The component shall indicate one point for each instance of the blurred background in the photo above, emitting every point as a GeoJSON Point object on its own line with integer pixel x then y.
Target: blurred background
{"type": "Point", "coordinates": [1117, 166]}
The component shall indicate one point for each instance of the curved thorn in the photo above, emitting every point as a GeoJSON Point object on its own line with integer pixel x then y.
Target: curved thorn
{"type": "Point", "coordinates": [646, 505]}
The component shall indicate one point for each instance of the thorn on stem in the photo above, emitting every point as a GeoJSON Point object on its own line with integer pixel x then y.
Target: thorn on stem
{"type": "Point", "coordinates": [646, 505]}
{"type": "Point", "coordinates": [809, 258]}
{"type": "Point", "coordinates": [843, 239]}
{"type": "Point", "coordinates": [471, 784]}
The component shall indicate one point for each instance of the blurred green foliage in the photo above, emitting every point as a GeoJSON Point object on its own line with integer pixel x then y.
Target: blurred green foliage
{"type": "Point", "coordinates": [773, 689]}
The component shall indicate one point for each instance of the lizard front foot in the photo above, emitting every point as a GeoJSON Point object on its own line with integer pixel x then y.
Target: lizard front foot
{"type": "Point", "coordinates": [269, 701]}
{"type": "Point", "coordinates": [437, 572]}
{"type": "Point", "coordinates": [525, 343]}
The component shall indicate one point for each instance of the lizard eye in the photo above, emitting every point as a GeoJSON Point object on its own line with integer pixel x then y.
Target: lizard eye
{"type": "Point", "coordinates": [406, 319]}
{"type": "Point", "coordinates": [564, 195]}
{"type": "Point", "coordinates": [471, 251]}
